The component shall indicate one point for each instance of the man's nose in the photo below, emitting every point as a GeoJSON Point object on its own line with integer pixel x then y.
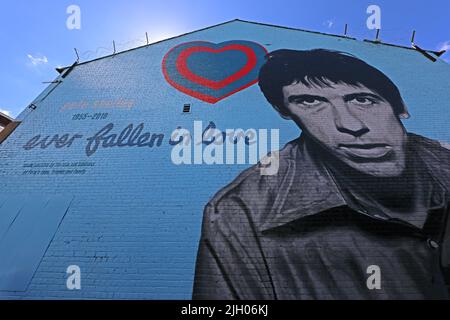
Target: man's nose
{"type": "Point", "coordinates": [349, 123]}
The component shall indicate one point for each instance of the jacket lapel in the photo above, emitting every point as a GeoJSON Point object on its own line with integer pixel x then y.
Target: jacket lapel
{"type": "Point", "coordinates": [306, 188]}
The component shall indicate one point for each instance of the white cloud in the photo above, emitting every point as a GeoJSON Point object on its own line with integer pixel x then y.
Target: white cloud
{"type": "Point", "coordinates": [8, 113]}
{"type": "Point", "coordinates": [329, 23]}
{"type": "Point", "coordinates": [444, 46]}
{"type": "Point", "coordinates": [38, 60]}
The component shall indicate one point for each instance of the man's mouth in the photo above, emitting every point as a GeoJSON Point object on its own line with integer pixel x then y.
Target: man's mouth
{"type": "Point", "coordinates": [367, 151]}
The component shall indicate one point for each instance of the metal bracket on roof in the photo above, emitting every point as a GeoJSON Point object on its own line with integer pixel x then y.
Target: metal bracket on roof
{"type": "Point", "coordinates": [69, 70]}
{"type": "Point", "coordinates": [413, 37]}
{"type": "Point", "coordinates": [377, 37]}
{"type": "Point", "coordinates": [50, 82]}
{"type": "Point", "coordinates": [426, 54]}
{"type": "Point", "coordinates": [76, 52]}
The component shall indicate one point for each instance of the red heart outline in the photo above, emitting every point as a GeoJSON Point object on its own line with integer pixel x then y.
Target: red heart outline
{"type": "Point", "coordinates": [196, 94]}
{"type": "Point", "coordinates": [184, 70]}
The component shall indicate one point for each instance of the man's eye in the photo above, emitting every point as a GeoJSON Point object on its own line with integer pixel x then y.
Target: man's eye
{"type": "Point", "coordinates": [363, 101]}
{"type": "Point", "coordinates": [310, 102]}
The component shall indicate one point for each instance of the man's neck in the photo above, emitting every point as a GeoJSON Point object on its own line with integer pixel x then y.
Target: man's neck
{"type": "Point", "coordinates": [399, 196]}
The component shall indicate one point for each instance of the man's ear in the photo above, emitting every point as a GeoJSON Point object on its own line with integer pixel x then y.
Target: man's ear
{"type": "Point", "coordinates": [404, 114]}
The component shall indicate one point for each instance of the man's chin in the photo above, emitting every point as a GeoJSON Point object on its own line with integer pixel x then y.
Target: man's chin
{"type": "Point", "coordinates": [377, 164]}
{"type": "Point", "coordinates": [379, 169]}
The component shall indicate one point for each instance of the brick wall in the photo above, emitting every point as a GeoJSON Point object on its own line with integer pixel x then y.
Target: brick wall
{"type": "Point", "coordinates": [134, 224]}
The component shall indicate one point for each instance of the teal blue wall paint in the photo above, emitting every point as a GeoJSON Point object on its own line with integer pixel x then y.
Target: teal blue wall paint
{"type": "Point", "coordinates": [134, 223]}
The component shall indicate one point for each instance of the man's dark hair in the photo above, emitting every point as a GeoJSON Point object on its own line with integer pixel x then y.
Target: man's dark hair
{"type": "Point", "coordinates": [319, 67]}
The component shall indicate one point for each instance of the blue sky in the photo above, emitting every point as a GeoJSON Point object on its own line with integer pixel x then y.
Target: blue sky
{"type": "Point", "coordinates": [35, 40]}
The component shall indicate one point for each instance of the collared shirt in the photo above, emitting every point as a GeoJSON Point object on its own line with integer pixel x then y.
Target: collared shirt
{"type": "Point", "coordinates": [298, 235]}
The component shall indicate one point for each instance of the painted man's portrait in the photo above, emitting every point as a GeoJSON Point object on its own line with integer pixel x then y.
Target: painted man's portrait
{"type": "Point", "coordinates": [358, 209]}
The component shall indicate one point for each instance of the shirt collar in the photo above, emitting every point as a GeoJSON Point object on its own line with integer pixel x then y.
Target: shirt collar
{"type": "Point", "coordinates": [309, 188]}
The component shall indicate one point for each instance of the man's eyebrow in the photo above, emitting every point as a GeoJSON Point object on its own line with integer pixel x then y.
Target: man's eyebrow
{"type": "Point", "coordinates": [305, 96]}
{"type": "Point", "coordinates": [351, 96]}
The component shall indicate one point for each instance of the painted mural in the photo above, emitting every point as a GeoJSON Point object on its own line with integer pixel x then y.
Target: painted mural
{"type": "Point", "coordinates": [240, 162]}
{"type": "Point", "coordinates": [355, 192]}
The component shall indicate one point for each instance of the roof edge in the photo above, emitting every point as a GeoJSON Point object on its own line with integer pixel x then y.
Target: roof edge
{"type": "Point", "coordinates": [5, 119]}
{"type": "Point", "coordinates": [60, 70]}
{"type": "Point", "coordinates": [437, 53]}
